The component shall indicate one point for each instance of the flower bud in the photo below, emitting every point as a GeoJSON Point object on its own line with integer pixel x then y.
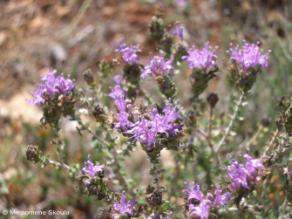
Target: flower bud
{"type": "Point", "coordinates": [98, 113]}
{"type": "Point", "coordinates": [212, 99]}
{"type": "Point", "coordinates": [166, 86]}
{"type": "Point", "coordinates": [157, 29]}
{"type": "Point", "coordinates": [33, 153]}
{"type": "Point", "coordinates": [180, 53]}
{"type": "Point", "coordinates": [166, 45]}
{"type": "Point", "coordinates": [266, 122]}
{"type": "Point", "coordinates": [88, 77]}
{"type": "Point", "coordinates": [132, 73]}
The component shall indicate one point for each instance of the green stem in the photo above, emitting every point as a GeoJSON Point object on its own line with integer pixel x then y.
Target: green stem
{"type": "Point", "coordinates": [230, 125]}
{"type": "Point", "coordinates": [209, 139]}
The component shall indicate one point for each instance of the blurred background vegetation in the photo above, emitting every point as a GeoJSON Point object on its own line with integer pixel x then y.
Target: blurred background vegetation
{"type": "Point", "coordinates": [73, 36]}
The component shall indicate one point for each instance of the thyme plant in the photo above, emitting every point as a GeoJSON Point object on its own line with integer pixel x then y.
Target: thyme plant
{"type": "Point", "coordinates": [212, 177]}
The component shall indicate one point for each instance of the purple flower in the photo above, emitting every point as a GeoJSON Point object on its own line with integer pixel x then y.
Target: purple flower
{"type": "Point", "coordinates": [181, 4]}
{"type": "Point", "coordinates": [91, 169]}
{"type": "Point", "coordinates": [201, 211]}
{"type": "Point", "coordinates": [201, 59]}
{"type": "Point", "coordinates": [128, 53]}
{"type": "Point", "coordinates": [254, 167]}
{"type": "Point", "coordinates": [249, 56]}
{"type": "Point", "coordinates": [221, 199]}
{"type": "Point", "coordinates": [124, 207]}
{"type": "Point", "coordinates": [242, 176]}
{"type": "Point", "coordinates": [193, 192]}
{"type": "Point", "coordinates": [52, 85]}
{"type": "Point", "coordinates": [123, 121]}
{"type": "Point", "coordinates": [165, 123]}
{"type": "Point", "coordinates": [178, 30]}
{"type": "Point", "coordinates": [238, 176]}
{"type": "Point", "coordinates": [144, 132]}
{"type": "Point", "coordinates": [148, 128]}
{"type": "Point", "coordinates": [158, 66]}
{"type": "Point", "coordinates": [119, 96]}
{"type": "Point", "coordinates": [200, 205]}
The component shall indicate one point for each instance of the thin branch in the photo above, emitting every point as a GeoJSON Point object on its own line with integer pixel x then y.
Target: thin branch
{"type": "Point", "coordinates": [119, 176]}
{"type": "Point", "coordinates": [209, 138]}
{"type": "Point", "coordinates": [246, 144]}
{"type": "Point", "coordinates": [233, 118]}
{"type": "Point", "coordinates": [272, 141]}
{"type": "Point", "coordinates": [82, 11]}
{"type": "Point", "coordinates": [58, 164]}
{"type": "Point", "coordinates": [276, 134]}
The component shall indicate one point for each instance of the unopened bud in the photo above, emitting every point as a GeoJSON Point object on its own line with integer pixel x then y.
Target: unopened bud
{"type": "Point", "coordinates": [88, 77]}
{"type": "Point", "coordinates": [266, 122]}
{"type": "Point", "coordinates": [166, 45]}
{"type": "Point", "coordinates": [132, 73]}
{"type": "Point", "coordinates": [33, 153]}
{"type": "Point", "coordinates": [180, 52]}
{"type": "Point", "coordinates": [212, 99]}
{"type": "Point", "coordinates": [157, 28]}
{"type": "Point", "coordinates": [166, 86]}
{"type": "Point", "coordinates": [98, 113]}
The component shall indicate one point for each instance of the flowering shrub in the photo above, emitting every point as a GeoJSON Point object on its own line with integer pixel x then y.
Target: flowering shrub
{"type": "Point", "coordinates": [212, 178]}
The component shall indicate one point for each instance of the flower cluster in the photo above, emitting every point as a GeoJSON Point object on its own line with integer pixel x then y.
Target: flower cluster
{"type": "Point", "coordinates": [249, 56]}
{"type": "Point", "coordinates": [243, 176]}
{"type": "Point", "coordinates": [52, 85]}
{"type": "Point", "coordinates": [158, 66]}
{"type": "Point", "coordinates": [156, 124]}
{"type": "Point", "coordinates": [128, 53]}
{"type": "Point", "coordinates": [149, 126]}
{"type": "Point", "coordinates": [201, 59]}
{"type": "Point", "coordinates": [123, 207]}
{"type": "Point", "coordinates": [199, 205]}
{"type": "Point", "coordinates": [119, 96]}
{"type": "Point", "coordinates": [92, 170]}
